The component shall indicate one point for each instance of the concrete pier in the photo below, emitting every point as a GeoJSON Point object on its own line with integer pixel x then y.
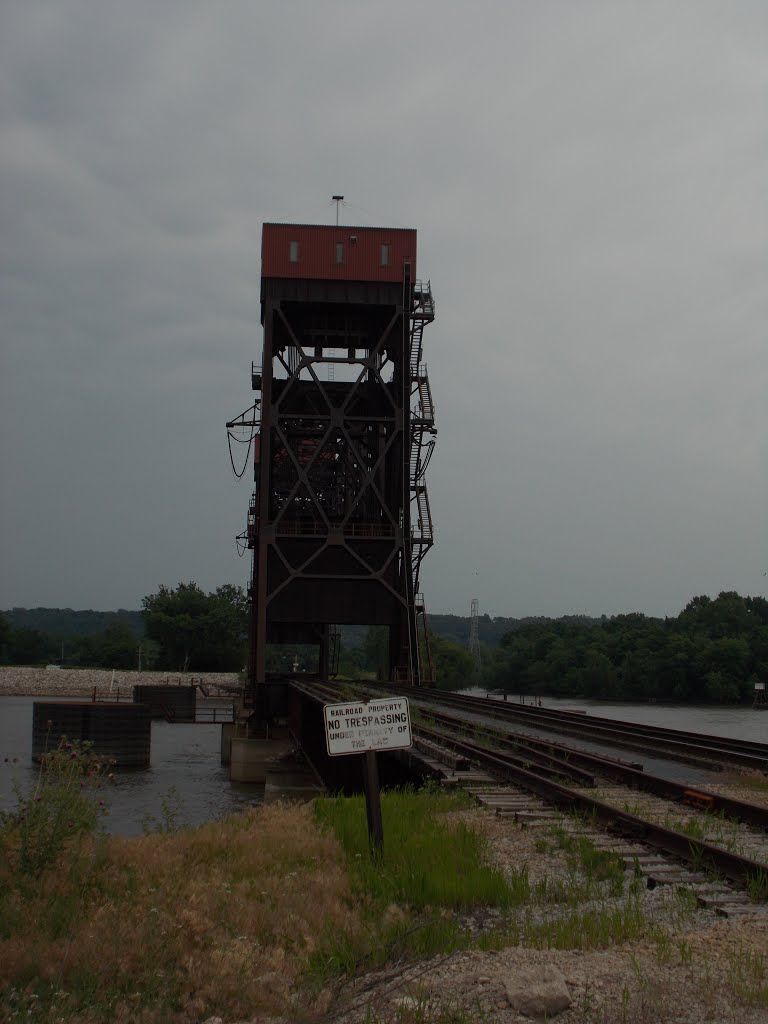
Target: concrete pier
{"type": "Point", "coordinates": [249, 757]}
{"type": "Point", "coordinates": [291, 778]}
{"type": "Point", "coordinates": [228, 730]}
{"type": "Point", "coordinates": [119, 732]}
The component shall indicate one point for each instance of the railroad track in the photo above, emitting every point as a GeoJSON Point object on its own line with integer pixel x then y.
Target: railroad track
{"type": "Point", "coordinates": [655, 869]}
{"type": "Point", "coordinates": [569, 762]}
{"type": "Point", "coordinates": [502, 777]}
{"type": "Point", "coordinates": [744, 871]}
{"type": "Point", "coordinates": [689, 747]}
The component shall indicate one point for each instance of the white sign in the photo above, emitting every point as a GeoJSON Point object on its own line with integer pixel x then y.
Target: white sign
{"type": "Point", "coordinates": [367, 725]}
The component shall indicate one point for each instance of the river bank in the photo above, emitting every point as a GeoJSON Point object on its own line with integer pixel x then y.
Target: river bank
{"type": "Point", "coordinates": [16, 681]}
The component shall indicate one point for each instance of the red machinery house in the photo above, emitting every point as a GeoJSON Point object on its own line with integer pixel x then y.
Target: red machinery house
{"type": "Point", "coordinates": [337, 253]}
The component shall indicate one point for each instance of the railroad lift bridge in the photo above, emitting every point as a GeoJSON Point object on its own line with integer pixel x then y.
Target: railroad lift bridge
{"type": "Point", "coordinates": [342, 430]}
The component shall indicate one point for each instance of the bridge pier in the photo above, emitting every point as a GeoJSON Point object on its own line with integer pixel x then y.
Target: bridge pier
{"type": "Point", "coordinates": [250, 757]}
{"type": "Point", "coordinates": [117, 732]}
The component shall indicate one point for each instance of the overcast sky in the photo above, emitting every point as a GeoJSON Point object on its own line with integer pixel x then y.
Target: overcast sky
{"type": "Point", "coordinates": [590, 185]}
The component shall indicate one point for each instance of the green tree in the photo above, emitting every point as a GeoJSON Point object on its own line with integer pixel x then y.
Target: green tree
{"type": "Point", "coordinates": [117, 647]}
{"type": "Point", "coordinates": [599, 674]}
{"type": "Point", "coordinates": [351, 661]}
{"type": "Point", "coordinates": [453, 665]}
{"type": "Point", "coordinates": [6, 639]}
{"type": "Point", "coordinates": [375, 651]}
{"type": "Point", "coordinates": [31, 647]}
{"type": "Point", "coordinates": [196, 631]}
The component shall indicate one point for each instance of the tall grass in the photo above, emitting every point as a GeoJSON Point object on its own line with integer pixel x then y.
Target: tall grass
{"type": "Point", "coordinates": [244, 917]}
{"type": "Point", "coordinates": [251, 917]}
{"type": "Point", "coordinates": [432, 868]}
{"type": "Point", "coordinates": [173, 928]}
{"type": "Point", "coordinates": [426, 862]}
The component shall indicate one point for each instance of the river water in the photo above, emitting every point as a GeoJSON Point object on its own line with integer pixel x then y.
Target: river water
{"type": "Point", "coordinates": [186, 782]}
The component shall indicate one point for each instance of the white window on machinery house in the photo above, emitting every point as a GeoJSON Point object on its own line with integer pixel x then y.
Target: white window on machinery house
{"type": "Point", "coordinates": [385, 255]}
{"type": "Point", "coordinates": [294, 252]}
{"type": "Point", "coordinates": [339, 252]}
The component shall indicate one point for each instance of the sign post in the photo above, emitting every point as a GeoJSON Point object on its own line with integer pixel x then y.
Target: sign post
{"type": "Point", "coordinates": [373, 804]}
{"type": "Point", "coordinates": [365, 727]}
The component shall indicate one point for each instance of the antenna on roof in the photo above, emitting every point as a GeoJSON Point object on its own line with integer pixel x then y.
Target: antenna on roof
{"type": "Point", "coordinates": [337, 200]}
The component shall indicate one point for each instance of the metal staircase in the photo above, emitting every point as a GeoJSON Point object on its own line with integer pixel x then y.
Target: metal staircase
{"type": "Point", "coordinates": [423, 433]}
{"type": "Point", "coordinates": [423, 429]}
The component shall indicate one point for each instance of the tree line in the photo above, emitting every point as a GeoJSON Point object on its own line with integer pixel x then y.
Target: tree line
{"type": "Point", "coordinates": [185, 629]}
{"type": "Point", "coordinates": [714, 651]}
{"type": "Point", "coordinates": [116, 646]}
{"type": "Point", "coordinates": [178, 629]}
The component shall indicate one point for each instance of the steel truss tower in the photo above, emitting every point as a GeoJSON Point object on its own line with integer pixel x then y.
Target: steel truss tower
{"type": "Point", "coordinates": [474, 635]}
{"type": "Point", "coordinates": [343, 427]}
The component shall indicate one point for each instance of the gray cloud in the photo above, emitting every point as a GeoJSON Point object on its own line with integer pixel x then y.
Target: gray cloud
{"type": "Point", "coordinates": [589, 185]}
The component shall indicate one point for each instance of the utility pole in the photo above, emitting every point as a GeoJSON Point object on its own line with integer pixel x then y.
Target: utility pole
{"type": "Point", "coordinates": [337, 200]}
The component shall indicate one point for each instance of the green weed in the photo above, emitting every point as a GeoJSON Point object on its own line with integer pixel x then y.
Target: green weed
{"type": "Point", "coordinates": [417, 1010]}
{"type": "Point", "coordinates": [757, 886]}
{"type": "Point", "coordinates": [61, 809]}
{"type": "Point", "coordinates": [597, 865]}
{"type": "Point", "coordinates": [171, 817]}
{"type": "Point", "coordinates": [748, 978]}
{"type": "Point", "coordinates": [756, 782]}
{"type": "Point", "coordinates": [589, 929]}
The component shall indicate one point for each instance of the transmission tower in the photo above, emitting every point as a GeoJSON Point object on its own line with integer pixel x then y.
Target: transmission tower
{"type": "Point", "coordinates": [474, 636]}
